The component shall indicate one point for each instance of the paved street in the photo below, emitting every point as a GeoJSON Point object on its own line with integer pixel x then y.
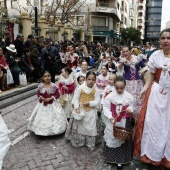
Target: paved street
{"type": "Point", "coordinates": [48, 153]}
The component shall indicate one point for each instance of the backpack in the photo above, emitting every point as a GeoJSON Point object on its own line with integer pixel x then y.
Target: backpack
{"type": "Point", "coordinates": [92, 61]}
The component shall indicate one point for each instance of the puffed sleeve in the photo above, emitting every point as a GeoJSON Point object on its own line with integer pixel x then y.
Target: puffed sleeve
{"type": "Point", "coordinates": [96, 100]}
{"type": "Point", "coordinates": [56, 95]}
{"type": "Point", "coordinates": [106, 107]}
{"type": "Point", "coordinates": [151, 63]}
{"type": "Point", "coordinates": [98, 82]}
{"type": "Point", "coordinates": [76, 98]}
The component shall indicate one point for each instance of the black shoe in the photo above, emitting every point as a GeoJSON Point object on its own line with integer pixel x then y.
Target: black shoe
{"type": "Point", "coordinates": [119, 167]}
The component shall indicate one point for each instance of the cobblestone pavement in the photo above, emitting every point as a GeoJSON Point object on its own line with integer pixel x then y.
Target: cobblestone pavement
{"type": "Point", "coordinates": [49, 153]}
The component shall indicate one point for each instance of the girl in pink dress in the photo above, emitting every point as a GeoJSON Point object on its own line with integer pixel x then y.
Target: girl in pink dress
{"type": "Point", "coordinates": [66, 87]}
{"type": "Point", "coordinates": [102, 80]}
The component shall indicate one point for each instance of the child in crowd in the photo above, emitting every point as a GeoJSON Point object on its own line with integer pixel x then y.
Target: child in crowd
{"type": "Point", "coordinates": [66, 87]}
{"type": "Point", "coordinates": [82, 129]}
{"type": "Point", "coordinates": [111, 66]}
{"type": "Point", "coordinates": [83, 71]}
{"type": "Point", "coordinates": [71, 57]}
{"type": "Point", "coordinates": [118, 106]}
{"type": "Point", "coordinates": [4, 141]}
{"type": "Point", "coordinates": [80, 81]}
{"type": "Point", "coordinates": [102, 79]}
{"type": "Point", "coordinates": [109, 88]}
{"type": "Point", "coordinates": [48, 117]}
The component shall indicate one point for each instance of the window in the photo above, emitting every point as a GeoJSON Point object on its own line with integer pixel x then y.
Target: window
{"type": "Point", "coordinates": [122, 18]}
{"type": "Point", "coordinates": [79, 20]}
{"type": "Point", "coordinates": [125, 21]}
{"type": "Point", "coordinates": [99, 21]}
{"type": "Point", "coordinates": [1, 3]}
{"type": "Point", "coordinates": [118, 6]}
{"type": "Point", "coordinates": [13, 2]}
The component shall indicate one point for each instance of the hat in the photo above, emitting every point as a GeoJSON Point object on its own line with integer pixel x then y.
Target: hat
{"type": "Point", "coordinates": [11, 47]}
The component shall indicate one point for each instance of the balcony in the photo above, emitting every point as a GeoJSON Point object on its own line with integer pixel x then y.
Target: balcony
{"type": "Point", "coordinates": [141, 5]}
{"type": "Point", "coordinates": [108, 8]}
{"type": "Point", "coordinates": [141, 11]}
{"type": "Point", "coordinates": [140, 24]}
{"type": "Point", "coordinates": [100, 28]}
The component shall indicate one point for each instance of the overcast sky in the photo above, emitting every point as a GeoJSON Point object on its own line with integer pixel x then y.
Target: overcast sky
{"type": "Point", "coordinates": [165, 13]}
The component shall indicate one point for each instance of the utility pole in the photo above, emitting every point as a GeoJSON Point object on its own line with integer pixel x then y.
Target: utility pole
{"type": "Point", "coordinates": [36, 22]}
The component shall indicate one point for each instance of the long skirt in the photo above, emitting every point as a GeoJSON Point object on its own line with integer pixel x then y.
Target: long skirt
{"type": "Point", "coordinates": [152, 138]}
{"type": "Point", "coordinates": [134, 87]}
{"type": "Point", "coordinates": [48, 120]}
{"type": "Point", "coordinates": [4, 141]}
{"type": "Point", "coordinates": [79, 140]}
{"type": "Point", "coordinates": [122, 154]}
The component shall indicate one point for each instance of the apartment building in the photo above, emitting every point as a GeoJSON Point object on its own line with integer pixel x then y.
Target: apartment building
{"type": "Point", "coordinates": [141, 17]}
{"type": "Point", "coordinates": [153, 21]}
{"type": "Point", "coordinates": [105, 20]}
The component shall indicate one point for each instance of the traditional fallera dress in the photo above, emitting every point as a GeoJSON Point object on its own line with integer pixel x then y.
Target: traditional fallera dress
{"type": "Point", "coordinates": [106, 92]}
{"type": "Point", "coordinates": [67, 94]}
{"type": "Point", "coordinates": [4, 141]}
{"type": "Point", "coordinates": [84, 132]}
{"type": "Point", "coordinates": [104, 80]}
{"type": "Point", "coordinates": [48, 118]}
{"type": "Point", "coordinates": [134, 84]}
{"type": "Point", "coordinates": [116, 150]}
{"type": "Point", "coordinates": [152, 138]}
{"type": "Point", "coordinates": [72, 60]}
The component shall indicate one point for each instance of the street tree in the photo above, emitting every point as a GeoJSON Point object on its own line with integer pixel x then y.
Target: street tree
{"type": "Point", "coordinates": [131, 34]}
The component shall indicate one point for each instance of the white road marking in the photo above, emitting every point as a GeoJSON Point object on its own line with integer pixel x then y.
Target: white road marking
{"type": "Point", "coordinates": [14, 142]}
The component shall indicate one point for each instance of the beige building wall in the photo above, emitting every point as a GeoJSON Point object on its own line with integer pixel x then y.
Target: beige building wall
{"type": "Point", "coordinates": [168, 24]}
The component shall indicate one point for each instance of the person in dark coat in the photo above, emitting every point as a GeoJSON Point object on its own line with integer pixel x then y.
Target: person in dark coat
{"type": "Point", "coordinates": [19, 45]}
{"type": "Point", "coordinates": [50, 59]}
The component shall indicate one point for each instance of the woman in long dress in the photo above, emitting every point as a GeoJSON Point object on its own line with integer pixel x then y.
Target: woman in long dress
{"type": "Point", "coordinates": [48, 117]}
{"type": "Point", "coordinates": [152, 138]}
{"type": "Point", "coordinates": [4, 141]}
{"type": "Point", "coordinates": [132, 66]}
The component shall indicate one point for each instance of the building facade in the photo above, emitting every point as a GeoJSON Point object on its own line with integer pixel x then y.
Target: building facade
{"type": "Point", "coordinates": [141, 6]}
{"type": "Point", "coordinates": [168, 24]}
{"type": "Point", "coordinates": [153, 21]}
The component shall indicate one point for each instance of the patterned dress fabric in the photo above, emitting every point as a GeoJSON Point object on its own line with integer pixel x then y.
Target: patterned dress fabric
{"type": "Point", "coordinates": [116, 150]}
{"type": "Point", "coordinates": [84, 132]}
{"type": "Point", "coordinates": [152, 138]}
{"type": "Point", "coordinates": [48, 118]}
{"type": "Point", "coordinates": [4, 141]}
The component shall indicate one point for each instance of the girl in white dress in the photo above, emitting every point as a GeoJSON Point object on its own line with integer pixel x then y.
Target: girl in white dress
{"type": "Point", "coordinates": [4, 141]}
{"type": "Point", "coordinates": [82, 131]}
{"type": "Point", "coordinates": [117, 107]}
{"type": "Point", "coordinates": [48, 117]}
{"type": "Point", "coordinates": [66, 87]}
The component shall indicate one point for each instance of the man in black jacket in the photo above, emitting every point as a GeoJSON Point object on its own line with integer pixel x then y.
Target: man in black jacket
{"type": "Point", "coordinates": [50, 59]}
{"type": "Point", "coordinates": [19, 45]}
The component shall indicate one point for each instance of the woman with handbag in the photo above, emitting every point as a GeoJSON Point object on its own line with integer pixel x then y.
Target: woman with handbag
{"type": "Point", "coordinates": [117, 108]}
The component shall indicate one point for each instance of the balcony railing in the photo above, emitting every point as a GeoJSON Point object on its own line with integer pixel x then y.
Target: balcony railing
{"type": "Point", "coordinates": [102, 4]}
{"type": "Point", "coordinates": [140, 24]}
{"type": "Point", "coordinates": [100, 28]}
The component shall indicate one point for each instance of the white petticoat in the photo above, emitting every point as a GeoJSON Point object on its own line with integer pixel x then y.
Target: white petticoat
{"type": "Point", "coordinates": [111, 141]}
{"type": "Point", "coordinates": [48, 120]}
{"type": "Point", "coordinates": [4, 141]}
{"type": "Point", "coordinates": [156, 134]}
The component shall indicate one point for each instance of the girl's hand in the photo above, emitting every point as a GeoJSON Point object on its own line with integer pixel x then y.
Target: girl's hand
{"type": "Point", "coordinates": [86, 104]}
{"type": "Point", "coordinates": [112, 120]}
{"type": "Point", "coordinates": [42, 98]}
{"type": "Point", "coordinates": [128, 110]}
{"type": "Point", "coordinates": [48, 99]}
{"type": "Point", "coordinates": [66, 88]}
{"type": "Point", "coordinates": [142, 93]}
